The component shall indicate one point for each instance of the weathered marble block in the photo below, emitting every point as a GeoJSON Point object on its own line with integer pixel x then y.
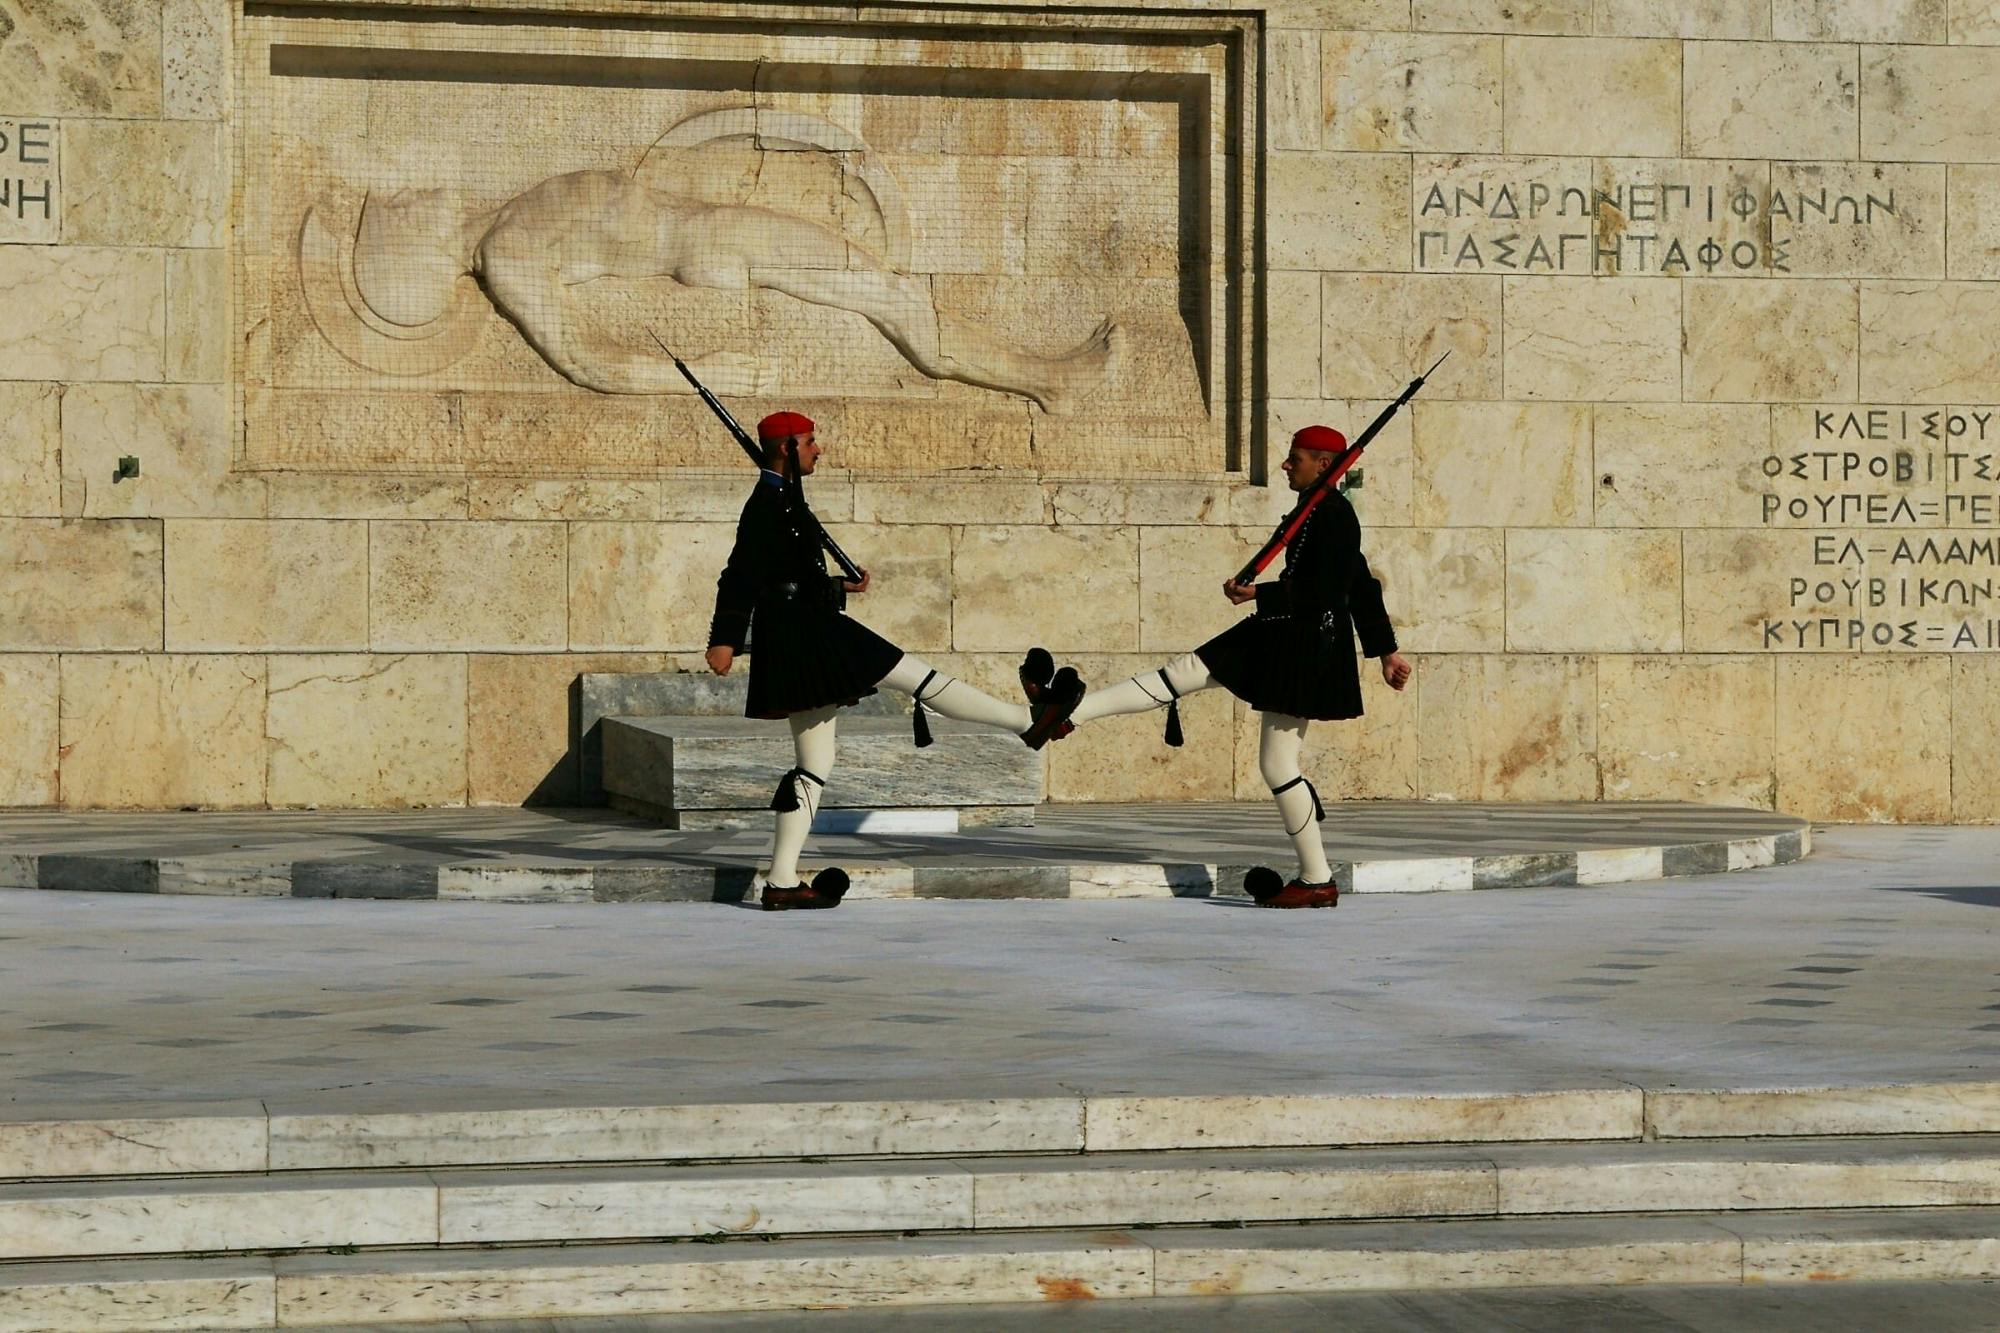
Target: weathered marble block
{"type": "Point", "coordinates": [1926, 103]}
{"type": "Point", "coordinates": [1858, 20]}
{"type": "Point", "coordinates": [1775, 340]}
{"type": "Point", "coordinates": [31, 447]}
{"type": "Point", "coordinates": [350, 729]}
{"type": "Point", "coordinates": [1365, 191]}
{"type": "Point", "coordinates": [1534, 16]}
{"type": "Point", "coordinates": [29, 700]}
{"type": "Point", "coordinates": [1610, 96]}
{"type": "Point", "coordinates": [696, 764]}
{"type": "Point", "coordinates": [1378, 329]}
{"type": "Point", "coordinates": [674, 694]}
{"type": "Point", "coordinates": [1436, 93]}
{"type": "Point", "coordinates": [1593, 339]}
{"type": "Point", "coordinates": [1928, 342]}
{"type": "Point", "coordinates": [83, 313]}
{"type": "Point", "coordinates": [127, 1296]}
{"type": "Point", "coordinates": [90, 585]}
{"type": "Point", "coordinates": [1684, 18]}
{"type": "Point", "coordinates": [1786, 100]}
{"type": "Point", "coordinates": [1975, 738]}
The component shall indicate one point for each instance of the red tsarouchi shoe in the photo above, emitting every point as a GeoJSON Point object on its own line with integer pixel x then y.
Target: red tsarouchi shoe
{"type": "Point", "coordinates": [1265, 889]}
{"type": "Point", "coordinates": [828, 887]}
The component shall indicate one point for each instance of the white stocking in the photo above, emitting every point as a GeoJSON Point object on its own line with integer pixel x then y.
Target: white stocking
{"type": "Point", "coordinates": [1279, 739]}
{"type": "Point", "coordinates": [953, 698]}
{"type": "Point", "coordinates": [812, 744]}
{"type": "Point", "coordinates": [1145, 691]}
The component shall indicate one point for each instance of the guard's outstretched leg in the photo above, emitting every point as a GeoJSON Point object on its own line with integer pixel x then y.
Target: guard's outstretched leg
{"type": "Point", "coordinates": [953, 698]}
{"type": "Point", "coordinates": [1278, 743]}
{"type": "Point", "coordinates": [1148, 690]}
{"type": "Point", "coordinates": [797, 801]}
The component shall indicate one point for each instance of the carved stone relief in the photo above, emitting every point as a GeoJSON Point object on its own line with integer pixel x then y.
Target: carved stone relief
{"type": "Point", "coordinates": [460, 260]}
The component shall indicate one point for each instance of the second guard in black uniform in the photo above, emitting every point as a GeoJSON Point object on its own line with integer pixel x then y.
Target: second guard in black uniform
{"type": "Point", "coordinates": [777, 603]}
{"type": "Point", "coordinates": [1293, 661]}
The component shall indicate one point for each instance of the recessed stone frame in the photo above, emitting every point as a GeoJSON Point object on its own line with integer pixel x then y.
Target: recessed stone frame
{"type": "Point", "coordinates": [1041, 175]}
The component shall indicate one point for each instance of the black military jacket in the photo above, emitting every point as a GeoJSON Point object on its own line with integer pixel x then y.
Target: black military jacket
{"type": "Point", "coordinates": [1327, 579]}
{"type": "Point", "coordinates": [777, 565]}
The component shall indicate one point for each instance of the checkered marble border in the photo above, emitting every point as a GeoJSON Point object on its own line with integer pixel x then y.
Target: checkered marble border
{"type": "Point", "coordinates": [543, 882]}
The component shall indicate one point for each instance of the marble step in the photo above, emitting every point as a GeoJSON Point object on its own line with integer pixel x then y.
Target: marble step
{"type": "Point", "coordinates": [140, 1139]}
{"type": "Point", "coordinates": [679, 765]}
{"type": "Point", "coordinates": [310, 1210]}
{"type": "Point", "coordinates": [476, 1285]}
{"type": "Point", "coordinates": [674, 694]}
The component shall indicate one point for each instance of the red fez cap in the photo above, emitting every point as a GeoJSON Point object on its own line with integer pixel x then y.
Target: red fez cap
{"type": "Point", "coordinates": [784, 425]}
{"type": "Point", "coordinates": [1319, 437]}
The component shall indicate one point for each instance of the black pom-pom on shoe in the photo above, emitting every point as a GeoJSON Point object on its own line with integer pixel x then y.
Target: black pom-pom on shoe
{"type": "Point", "coordinates": [831, 884]}
{"type": "Point", "coordinates": [1038, 668]}
{"type": "Point", "coordinates": [1263, 884]}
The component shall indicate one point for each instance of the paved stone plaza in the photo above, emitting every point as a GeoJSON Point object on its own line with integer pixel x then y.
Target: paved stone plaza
{"type": "Point", "coordinates": [206, 1106]}
{"type": "Point", "coordinates": [1873, 961]}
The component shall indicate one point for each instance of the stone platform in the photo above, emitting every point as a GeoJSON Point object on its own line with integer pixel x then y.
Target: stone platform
{"type": "Point", "coordinates": [1097, 851]}
{"type": "Point", "coordinates": [675, 748]}
{"type": "Point", "coordinates": [700, 773]}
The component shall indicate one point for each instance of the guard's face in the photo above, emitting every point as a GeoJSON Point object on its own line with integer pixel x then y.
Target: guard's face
{"type": "Point", "coordinates": [1303, 467]}
{"type": "Point", "coordinates": [808, 451]}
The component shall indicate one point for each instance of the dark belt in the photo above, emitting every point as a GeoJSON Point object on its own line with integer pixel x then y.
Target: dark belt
{"type": "Point", "coordinates": [822, 594]}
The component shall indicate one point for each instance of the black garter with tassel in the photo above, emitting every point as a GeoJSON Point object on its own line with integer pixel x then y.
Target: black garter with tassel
{"type": "Point", "coordinates": [786, 798]}
{"type": "Point", "coordinates": [918, 723]}
{"type": "Point", "coordinates": [1174, 736]}
{"type": "Point", "coordinates": [1319, 811]}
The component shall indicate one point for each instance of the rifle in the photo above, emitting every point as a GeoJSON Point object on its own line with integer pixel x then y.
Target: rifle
{"type": "Point", "coordinates": [849, 570]}
{"type": "Point", "coordinates": [1289, 528]}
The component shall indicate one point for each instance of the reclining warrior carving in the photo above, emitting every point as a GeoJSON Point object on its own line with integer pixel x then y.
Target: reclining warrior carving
{"type": "Point", "coordinates": [400, 294]}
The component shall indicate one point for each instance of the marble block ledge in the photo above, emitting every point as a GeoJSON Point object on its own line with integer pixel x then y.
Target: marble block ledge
{"type": "Point", "coordinates": [234, 1138]}
{"type": "Point", "coordinates": [683, 763]}
{"type": "Point", "coordinates": [650, 1279]}
{"type": "Point", "coordinates": [540, 881]}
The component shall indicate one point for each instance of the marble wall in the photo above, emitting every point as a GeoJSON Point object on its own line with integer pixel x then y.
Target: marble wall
{"type": "Point", "coordinates": [1705, 505]}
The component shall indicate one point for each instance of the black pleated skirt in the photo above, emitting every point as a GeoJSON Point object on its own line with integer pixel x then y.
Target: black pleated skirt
{"type": "Point", "coordinates": [1288, 665]}
{"type": "Point", "coordinates": [802, 658]}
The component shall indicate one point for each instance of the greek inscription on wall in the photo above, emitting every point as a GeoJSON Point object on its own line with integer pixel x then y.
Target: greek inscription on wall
{"type": "Point", "coordinates": [1673, 219]}
{"type": "Point", "coordinates": [29, 209]}
{"type": "Point", "coordinates": [1906, 501]}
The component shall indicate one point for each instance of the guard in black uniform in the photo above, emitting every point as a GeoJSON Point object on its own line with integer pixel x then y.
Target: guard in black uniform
{"type": "Point", "coordinates": [1293, 661]}
{"type": "Point", "coordinates": [777, 603]}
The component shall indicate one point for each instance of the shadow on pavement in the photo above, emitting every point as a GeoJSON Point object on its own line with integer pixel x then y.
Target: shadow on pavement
{"type": "Point", "coordinates": [1972, 895]}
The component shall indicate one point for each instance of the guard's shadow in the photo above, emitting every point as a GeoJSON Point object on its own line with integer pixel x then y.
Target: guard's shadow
{"type": "Point", "coordinates": [1971, 895]}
